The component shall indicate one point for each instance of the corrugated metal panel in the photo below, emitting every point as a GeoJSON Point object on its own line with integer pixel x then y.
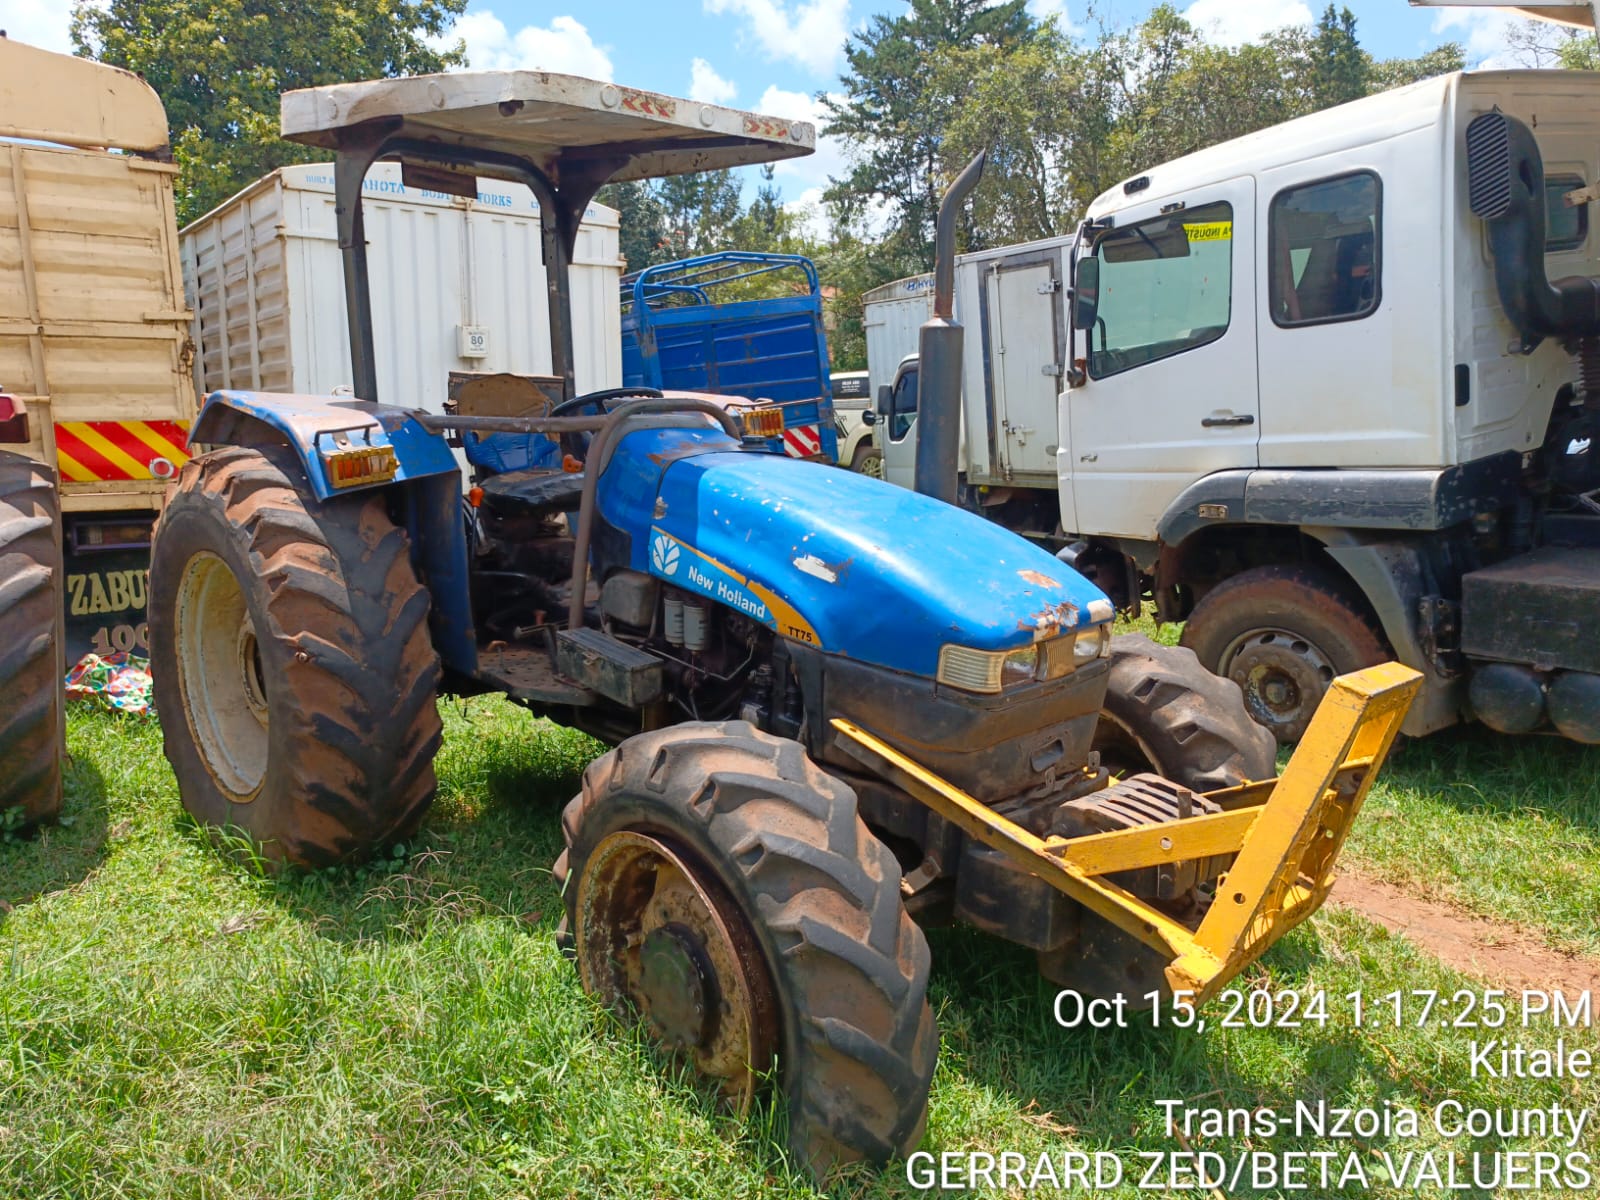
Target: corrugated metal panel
{"type": "Point", "coordinates": [274, 318]}
{"type": "Point", "coordinates": [893, 316]}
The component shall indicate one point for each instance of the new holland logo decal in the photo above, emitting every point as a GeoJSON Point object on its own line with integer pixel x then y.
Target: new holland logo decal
{"type": "Point", "coordinates": [664, 555]}
{"type": "Point", "coordinates": [690, 568]}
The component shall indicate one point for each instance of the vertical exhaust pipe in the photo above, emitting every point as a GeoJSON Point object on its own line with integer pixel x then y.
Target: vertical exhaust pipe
{"type": "Point", "coordinates": [939, 354]}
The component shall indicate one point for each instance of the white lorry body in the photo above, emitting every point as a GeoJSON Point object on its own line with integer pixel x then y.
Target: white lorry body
{"type": "Point", "coordinates": [891, 315]}
{"type": "Point", "coordinates": [457, 285]}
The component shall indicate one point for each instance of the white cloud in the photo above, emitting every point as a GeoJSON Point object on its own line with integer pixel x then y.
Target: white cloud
{"type": "Point", "coordinates": [809, 32]}
{"type": "Point", "coordinates": [707, 86]}
{"type": "Point", "coordinates": [814, 169]}
{"type": "Point", "coordinates": [1233, 22]}
{"type": "Point", "coordinates": [42, 23]}
{"type": "Point", "coordinates": [1042, 10]}
{"type": "Point", "coordinates": [1482, 33]}
{"type": "Point", "coordinates": [564, 45]}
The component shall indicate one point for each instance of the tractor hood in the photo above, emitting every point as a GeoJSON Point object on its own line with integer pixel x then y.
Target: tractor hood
{"type": "Point", "coordinates": [842, 562]}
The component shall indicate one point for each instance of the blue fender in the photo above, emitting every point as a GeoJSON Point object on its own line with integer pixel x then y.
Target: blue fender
{"type": "Point", "coordinates": [432, 501]}
{"type": "Point", "coordinates": [310, 423]}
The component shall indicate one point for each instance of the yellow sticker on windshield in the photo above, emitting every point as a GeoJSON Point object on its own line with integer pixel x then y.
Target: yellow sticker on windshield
{"type": "Point", "coordinates": [1210, 231]}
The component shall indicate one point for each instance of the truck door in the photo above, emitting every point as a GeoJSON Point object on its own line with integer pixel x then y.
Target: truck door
{"type": "Point", "coordinates": [1022, 300]}
{"type": "Point", "coordinates": [897, 423]}
{"type": "Point", "coordinates": [1169, 393]}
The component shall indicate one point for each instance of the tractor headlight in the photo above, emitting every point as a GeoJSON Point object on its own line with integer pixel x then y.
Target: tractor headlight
{"type": "Point", "coordinates": [993, 671]}
{"type": "Point", "coordinates": [987, 671]}
{"type": "Point", "coordinates": [1090, 644]}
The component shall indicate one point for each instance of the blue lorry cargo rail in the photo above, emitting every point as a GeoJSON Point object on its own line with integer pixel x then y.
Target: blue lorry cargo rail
{"type": "Point", "coordinates": [691, 326]}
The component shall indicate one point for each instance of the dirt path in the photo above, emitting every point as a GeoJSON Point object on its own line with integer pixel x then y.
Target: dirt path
{"type": "Point", "coordinates": [1501, 953]}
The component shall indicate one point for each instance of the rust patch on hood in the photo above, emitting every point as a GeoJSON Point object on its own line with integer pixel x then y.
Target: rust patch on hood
{"type": "Point", "coordinates": [1050, 620]}
{"type": "Point", "coordinates": [1038, 579]}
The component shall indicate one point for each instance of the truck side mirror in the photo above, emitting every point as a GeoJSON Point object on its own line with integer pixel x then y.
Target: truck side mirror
{"type": "Point", "coordinates": [1086, 293]}
{"type": "Point", "coordinates": [869, 417]}
{"type": "Point", "coordinates": [885, 391]}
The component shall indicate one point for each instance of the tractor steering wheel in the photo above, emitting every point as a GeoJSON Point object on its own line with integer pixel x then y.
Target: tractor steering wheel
{"type": "Point", "coordinates": [594, 404]}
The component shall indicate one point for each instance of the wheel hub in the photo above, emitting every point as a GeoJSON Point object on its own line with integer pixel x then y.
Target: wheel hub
{"type": "Point", "coordinates": [221, 677]}
{"type": "Point", "coordinates": [1283, 677]}
{"type": "Point", "coordinates": [675, 980]}
{"type": "Point", "coordinates": [660, 940]}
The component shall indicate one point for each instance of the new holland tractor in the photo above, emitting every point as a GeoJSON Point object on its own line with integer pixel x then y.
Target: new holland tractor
{"type": "Point", "coordinates": [839, 709]}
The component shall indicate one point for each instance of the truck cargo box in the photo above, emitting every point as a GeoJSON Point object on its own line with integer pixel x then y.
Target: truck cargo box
{"type": "Point", "coordinates": [457, 285]}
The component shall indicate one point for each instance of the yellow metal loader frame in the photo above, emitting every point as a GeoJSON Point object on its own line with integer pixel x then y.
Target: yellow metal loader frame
{"type": "Point", "coordinates": [1286, 834]}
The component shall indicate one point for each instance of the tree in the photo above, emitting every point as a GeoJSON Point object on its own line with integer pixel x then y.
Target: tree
{"type": "Point", "coordinates": [896, 110]}
{"type": "Point", "coordinates": [641, 223]}
{"type": "Point", "coordinates": [698, 211]}
{"type": "Point", "coordinates": [1397, 72]}
{"type": "Point", "coordinates": [219, 66]}
{"type": "Point", "coordinates": [1340, 66]}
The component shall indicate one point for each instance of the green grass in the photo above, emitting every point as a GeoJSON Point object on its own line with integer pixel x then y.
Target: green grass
{"type": "Point", "coordinates": [173, 1026]}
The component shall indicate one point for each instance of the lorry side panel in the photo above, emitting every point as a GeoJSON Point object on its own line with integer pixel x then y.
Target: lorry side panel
{"type": "Point", "coordinates": [94, 339]}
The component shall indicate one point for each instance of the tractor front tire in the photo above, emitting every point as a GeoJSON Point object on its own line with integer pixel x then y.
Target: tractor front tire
{"type": "Point", "coordinates": [291, 660]}
{"type": "Point", "coordinates": [1282, 634]}
{"type": "Point", "coordinates": [1166, 713]}
{"type": "Point", "coordinates": [31, 668]}
{"type": "Point", "coordinates": [719, 885]}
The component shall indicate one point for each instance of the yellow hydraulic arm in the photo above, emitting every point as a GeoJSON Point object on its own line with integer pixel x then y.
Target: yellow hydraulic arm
{"type": "Point", "coordinates": [1287, 834]}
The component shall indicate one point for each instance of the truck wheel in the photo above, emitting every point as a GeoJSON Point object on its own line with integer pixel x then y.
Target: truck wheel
{"type": "Point", "coordinates": [291, 662]}
{"type": "Point", "coordinates": [31, 670]}
{"type": "Point", "coordinates": [720, 886]}
{"type": "Point", "coordinates": [1282, 634]}
{"type": "Point", "coordinates": [1166, 713]}
{"type": "Point", "coordinates": [868, 460]}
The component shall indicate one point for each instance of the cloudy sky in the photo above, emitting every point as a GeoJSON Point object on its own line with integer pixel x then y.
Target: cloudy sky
{"type": "Point", "coordinates": [775, 55]}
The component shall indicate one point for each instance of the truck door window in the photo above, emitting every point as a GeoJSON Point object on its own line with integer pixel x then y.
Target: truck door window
{"type": "Point", "coordinates": [1323, 244]}
{"type": "Point", "coordinates": [1165, 287]}
{"type": "Point", "coordinates": [1564, 227]}
{"type": "Point", "coordinates": [902, 405]}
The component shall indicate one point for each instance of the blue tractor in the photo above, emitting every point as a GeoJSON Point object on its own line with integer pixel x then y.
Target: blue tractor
{"type": "Point", "coordinates": [839, 709]}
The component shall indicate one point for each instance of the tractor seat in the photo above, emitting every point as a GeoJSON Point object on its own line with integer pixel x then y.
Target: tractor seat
{"type": "Point", "coordinates": [532, 493]}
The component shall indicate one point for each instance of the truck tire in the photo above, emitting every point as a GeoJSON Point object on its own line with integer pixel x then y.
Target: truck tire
{"type": "Point", "coordinates": [1282, 634]}
{"type": "Point", "coordinates": [32, 673]}
{"type": "Point", "coordinates": [868, 460]}
{"type": "Point", "coordinates": [291, 661]}
{"type": "Point", "coordinates": [1166, 713]}
{"type": "Point", "coordinates": [715, 860]}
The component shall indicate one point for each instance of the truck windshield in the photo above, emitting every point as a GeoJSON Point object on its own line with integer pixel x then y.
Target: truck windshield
{"type": "Point", "coordinates": [1165, 287]}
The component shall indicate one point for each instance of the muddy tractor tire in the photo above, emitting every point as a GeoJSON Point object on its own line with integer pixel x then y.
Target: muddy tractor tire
{"type": "Point", "coordinates": [1166, 713]}
{"type": "Point", "coordinates": [291, 661]}
{"type": "Point", "coordinates": [1283, 634]}
{"type": "Point", "coordinates": [32, 671]}
{"type": "Point", "coordinates": [720, 886]}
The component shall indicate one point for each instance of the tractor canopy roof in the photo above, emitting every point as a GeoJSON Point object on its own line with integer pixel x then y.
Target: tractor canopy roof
{"type": "Point", "coordinates": [560, 123]}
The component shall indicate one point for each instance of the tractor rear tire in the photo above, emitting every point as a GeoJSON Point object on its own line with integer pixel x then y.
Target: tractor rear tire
{"type": "Point", "coordinates": [1166, 713]}
{"type": "Point", "coordinates": [1283, 634]}
{"type": "Point", "coordinates": [291, 661]}
{"type": "Point", "coordinates": [792, 872]}
{"type": "Point", "coordinates": [32, 673]}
